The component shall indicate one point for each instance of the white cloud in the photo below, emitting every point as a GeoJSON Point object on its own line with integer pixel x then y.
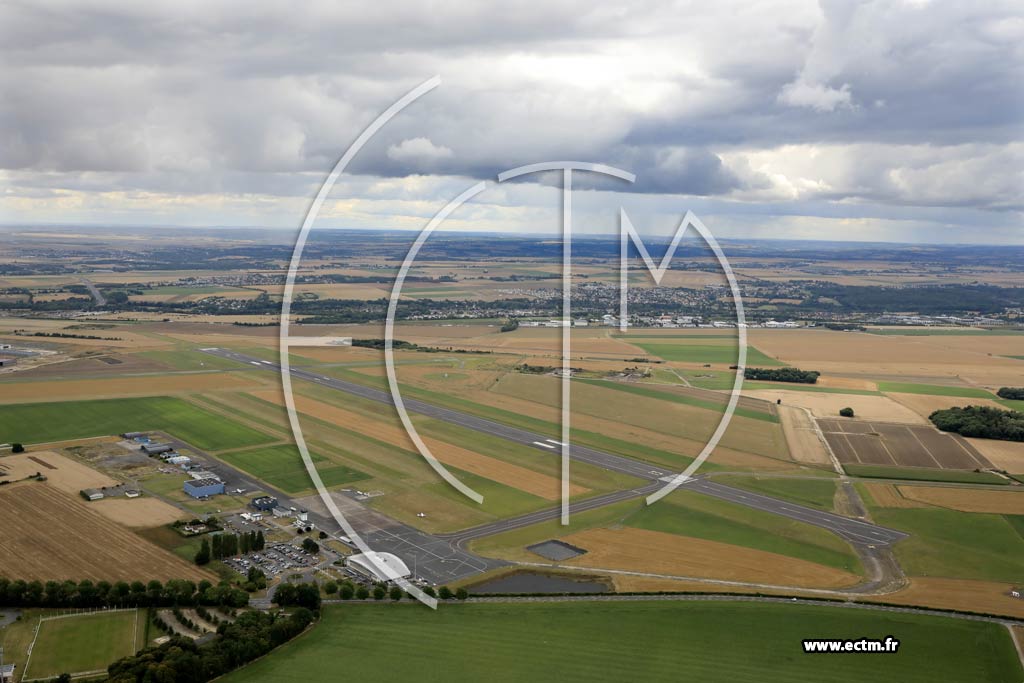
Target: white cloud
{"type": "Point", "coordinates": [817, 96]}
{"type": "Point", "coordinates": [418, 151]}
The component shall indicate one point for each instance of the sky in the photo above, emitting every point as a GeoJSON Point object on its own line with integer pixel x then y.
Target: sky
{"type": "Point", "coordinates": [879, 121]}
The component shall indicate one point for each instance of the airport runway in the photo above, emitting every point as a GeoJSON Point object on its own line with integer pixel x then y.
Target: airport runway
{"type": "Point", "coordinates": [853, 530]}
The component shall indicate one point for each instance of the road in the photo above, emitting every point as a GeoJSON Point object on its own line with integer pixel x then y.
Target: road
{"type": "Point", "coordinates": [96, 294]}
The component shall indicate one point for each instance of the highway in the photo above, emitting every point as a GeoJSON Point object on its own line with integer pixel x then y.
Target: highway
{"type": "Point", "coordinates": [855, 531]}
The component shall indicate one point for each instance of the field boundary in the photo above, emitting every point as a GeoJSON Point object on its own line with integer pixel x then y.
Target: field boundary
{"type": "Point", "coordinates": [71, 614]}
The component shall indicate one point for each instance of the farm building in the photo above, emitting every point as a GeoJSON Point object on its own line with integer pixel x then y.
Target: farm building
{"type": "Point", "coordinates": [264, 503]}
{"type": "Point", "coordinates": [204, 474]}
{"type": "Point", "coordinates": [379, 566]}
{"type": "Point", "coordinates": [132, 435]}
{"type": "Point", "coordinates": [178, 460]}
{"type": "Point", "coordinates": [156, 448]}
{"type": "Point", "coordinates": [201, 488]}
{"type": "Point", "coordinates": [92, 494]}
{"type": "Point", "coordinates": [132, 493]}
{"type": "Point", "coordinates": [7, 362]}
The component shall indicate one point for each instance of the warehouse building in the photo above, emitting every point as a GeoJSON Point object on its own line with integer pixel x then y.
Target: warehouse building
{"type": "Point", "coordinates": [379, 566]}
{"type": "Point", "coordinates": [203, 488]}
{"type": "Point", "coordinates": [156, 448]}
{"type": "Point", "coordinates": [92, 494]}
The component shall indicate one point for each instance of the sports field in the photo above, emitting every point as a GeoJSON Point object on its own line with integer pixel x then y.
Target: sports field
{"type": "Point", "coordinates": [82, 643]}
{"type": "Point", "coordinates": [282, 466]}
{"type": "Point", "coordinates": [633, 641]}
{"type": "Point", "coordinates": [45, 422]}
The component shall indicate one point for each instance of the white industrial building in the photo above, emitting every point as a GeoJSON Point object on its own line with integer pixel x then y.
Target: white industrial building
{"type": "Point", "coordinates": [379, 566]}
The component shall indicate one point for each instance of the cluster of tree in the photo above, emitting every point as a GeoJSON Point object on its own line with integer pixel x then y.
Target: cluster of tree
{"type": "Point", "coordinates": [511, 325]}
{"type": "Point", "coordinates": [86, 593]}
{"type": "Point", "coordinates": [794, 375]}
{"type": "Point", "coordinates": [310, 546]}
{"type": "Point", "coordinates": [846, 412]}
{"type": "Point", "coordinates": [229, 545]}
{"type": "Point", "coordinates": [255, 580]}
{"type": "Point", "coordinates": [927, 299]}
{"type": "Point", "coordinates": [542, 369]}
{"type": "Point", "coordinates": [981, 421]}
{"type": "Point", "coordinates": [1012, 393]}
{"type": "Point", "coordinates": [250, 636]}
{"type": "Point", "coordinates": [298, 594]}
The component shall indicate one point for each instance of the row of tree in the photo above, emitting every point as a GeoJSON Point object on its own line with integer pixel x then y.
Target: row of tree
{"type": "Point", "coordinates": [1012, 393]}
{"type": "Point", "coordinates": [250, 636]}
{"type": "Point", "coordinates": [89, 594]}
{"type": "Point", "coordinates": [982, 422]}
{"type": "Point", "coordinates": [794, 375]}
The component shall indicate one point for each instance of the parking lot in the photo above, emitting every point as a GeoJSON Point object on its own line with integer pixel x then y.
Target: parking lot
{"type": "Point", "coordinates": [273, 560]}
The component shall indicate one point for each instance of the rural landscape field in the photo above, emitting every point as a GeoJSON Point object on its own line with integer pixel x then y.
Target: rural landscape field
{"type": "Point", "coordinates": [111, 410]}
{"type": "Point", "coordinates": [526, 341]}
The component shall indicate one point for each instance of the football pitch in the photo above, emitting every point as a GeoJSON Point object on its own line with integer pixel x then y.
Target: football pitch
{"type": "Point", "coordinates": [633, 641]}
{"type": "Point", "coordinates": [81, 643]}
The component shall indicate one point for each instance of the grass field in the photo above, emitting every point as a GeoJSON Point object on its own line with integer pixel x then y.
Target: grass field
{"type": "Point", "coordinates": [673, 397]}
{"type": "Point", "coordinates": [924, 474]}
{"type": "Point", "coordinates": [932, 390]}
{"type": "Point", "coordinates": [816, 493]}
{"type": "Point", "coordinates": [704, 353]}
{"type": "Point", "coordinates": [691, 514]}
{"type": "Point", "coordinates": [81, 643]}
{"type": "Point", "coordinates": [1011, 404]}
{"type": "Point", "coordinates": [633, 641]}
{"type": "Point", "coordinates": [282, 467]}
{"type": "Point", "coordinates": [952, 544]}
{"type": "Point", "coordinates": [44, 422]}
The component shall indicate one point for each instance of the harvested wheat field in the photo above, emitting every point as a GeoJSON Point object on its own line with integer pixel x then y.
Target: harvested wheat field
{"type": "Point", "coordinates": [924, 404]}
{"type": "Point", "coordinates": [28, 392]}
{"type": "Point", "coordinates": [662, 553]}
{"type": "Point", "coordinates": [1004, 455]}
{"type": "Point", "coordinates": [958, 594]}
{"type": "Point", "coordinates": [802, 437]}
{"type": "Point", "coordinates": [61, 472]}
{"type": "Point", "coordinates": [880, 408]}
{"type": "Point", "coordinates": [48, 534]}
{"type": "Point", "coordinates": [889, 496]}
{"type": "Point", "coordinates": [883, 356]}
{"type": "Point", "coordinates": [140, 513]}
{"type": "Point", "coordinates": [521, 478]}
{"type": "Point", "coordinates": [833, 382]}
{"type": "Point", "coordinates": [968, 500]}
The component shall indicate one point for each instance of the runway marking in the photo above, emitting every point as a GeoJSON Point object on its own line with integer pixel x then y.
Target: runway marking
{"type": "Point", "coordinates": [545, 445]}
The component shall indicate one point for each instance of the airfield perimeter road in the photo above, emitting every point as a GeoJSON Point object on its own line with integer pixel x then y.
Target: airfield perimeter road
{"type": "Point", "coordinates": [860, 533]}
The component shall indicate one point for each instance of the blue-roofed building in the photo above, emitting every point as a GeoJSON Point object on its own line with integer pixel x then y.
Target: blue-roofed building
{"type": "Point", "coordinates": [203, 488]}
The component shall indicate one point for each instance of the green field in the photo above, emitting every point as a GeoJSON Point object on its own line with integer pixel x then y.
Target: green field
{"type": "Point", "coordinates": [78, 644]}
{"type": "Point", "coordinates": [44, 422]}
{"type": "Point", "coordinates": [816, 493]}
{"type": "Point", "coordinates": [691, 514]}
{"type": "Point", "coordinates": [732, 642]}
{"type": "Point", "coordinates": [956, 544]}
{"type": "Point", "coordinates": [1012, 404]}
{"type": "Point", "coordinates": [190, 360]}
{"type": "Point", "coordinates": [705, 353]}
{"type": "Point", "coordinates": [933, 390]}
{"type": "Point", "coordinates": [282, 467]}
{"type": "Point", "coordinates": [685, 399]}
{"type": "Point", "coordinates": [924, 474]}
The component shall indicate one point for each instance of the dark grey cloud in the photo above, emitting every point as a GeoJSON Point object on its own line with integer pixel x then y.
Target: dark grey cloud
{"type": "Point", "coordinates": [901, 104]}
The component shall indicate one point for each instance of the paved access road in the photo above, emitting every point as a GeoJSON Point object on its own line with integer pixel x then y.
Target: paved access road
{"type": "Point", "coordinates": [855, 531]}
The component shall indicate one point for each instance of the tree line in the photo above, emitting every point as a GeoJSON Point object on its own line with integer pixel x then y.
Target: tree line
{"type": "Point", "coordinates": [1012, 393]}
{"type": "Point", "coordinates": [793, 375]}
{"type": "Point", "coordinates": [220, 546]}
{"type": "Point", "coordinates": [982, 422]}
{"type": "Point", "coordinates": [250, 636]}
{"type": "Point", "coordinates": [89, 594]}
